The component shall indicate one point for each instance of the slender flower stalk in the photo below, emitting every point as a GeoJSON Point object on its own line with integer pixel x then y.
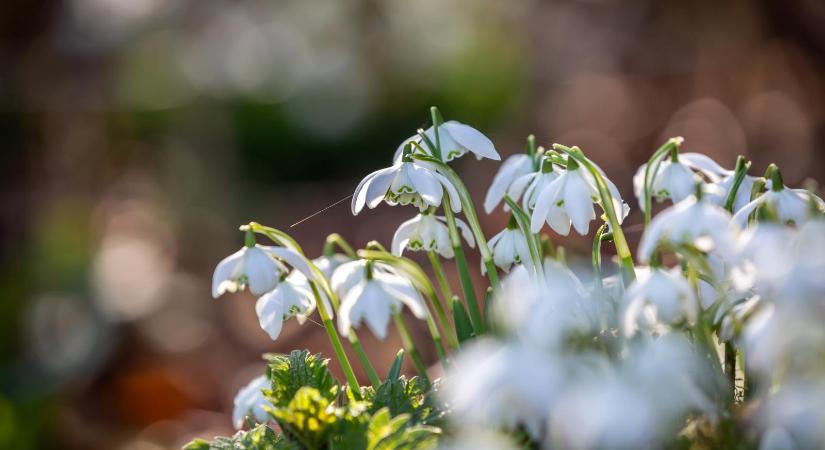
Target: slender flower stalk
{"type": "Point", "coordinates": [463, 270]}
{"type": "Point", "coordinates": [440, 276]}
{"type": "Point", "coordinates": [409, 345]}
{"type": "Point", "coordinates": [607, 202]}
{"type": "Point", "coordinates": [352, 381]}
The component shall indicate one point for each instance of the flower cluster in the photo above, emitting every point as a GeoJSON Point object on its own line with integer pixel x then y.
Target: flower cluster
{"type": "Point", "coordinates": [710, 337]}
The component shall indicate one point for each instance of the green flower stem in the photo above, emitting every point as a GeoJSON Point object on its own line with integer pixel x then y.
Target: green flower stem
{"type": "Point", "coordinates": [409, 345]}
{"type": "Point", "coordinates": [670, 146]}
{"type": "Point", "coordinates": [596, 254]}
{"type": "Point", "coordinates": [730, 366]}
{"type": "Point", "coordinates": [741, 170]}
{"type": "Point", "coordinates": [334, 240]}
{"type": "Point", "coordinates": [439, 275]}
{"type": "Point", "coordinates": [365, 361]}
{"type": "Point", "coordinates": [533, 242]}
{"type": "Point", "coordinates": [336, 344]}
{"type": "Point", "coordinates": [463, 270]}
{"type": "Point", "coordinates": [423, 284]}
{"type": "Point", "coordinates": [622, 249]}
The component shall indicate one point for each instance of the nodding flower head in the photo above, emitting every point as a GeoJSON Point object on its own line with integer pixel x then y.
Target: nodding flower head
{"type": "Point", "coordinates": [676, 176]}
{"type": "Point", "coordinates": [373, 292]}
{"type": "Point", "coordinates": [429, 233]}
{"type": "Point", "coordinates": [454, 139]}
{"type": "Point", "coordinates": [405, 183]}
{"type": "Point", "coordinates": [258, 267]}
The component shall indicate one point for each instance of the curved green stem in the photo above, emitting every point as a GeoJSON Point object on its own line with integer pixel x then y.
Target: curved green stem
{"type": "Point", "coordinates": [533, 243]}
{"type": "Point", "coordinates": [655, 160]}
{"type": "Point", "coordinates": [463, 269]}
{"type": "Point", "coordinates": [741, 170]}
{"type": "Point", "coordinates": [409, 345]}
{"type": "Point", "coordinates": [334, 240]}
{"type": "Point", "coordinates": [364, 360]}
{"type": "Point", "coordinates": [596, 254]}
{"type": "Point", "coordinates": [622, 249]}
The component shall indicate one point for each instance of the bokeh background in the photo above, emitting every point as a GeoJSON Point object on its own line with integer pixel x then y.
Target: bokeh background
{"type": "Point", "coordinates": [136, 135]}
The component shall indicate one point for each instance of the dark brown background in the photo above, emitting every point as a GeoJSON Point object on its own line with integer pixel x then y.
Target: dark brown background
{"type": "Point", "coordinates": [136, 135]}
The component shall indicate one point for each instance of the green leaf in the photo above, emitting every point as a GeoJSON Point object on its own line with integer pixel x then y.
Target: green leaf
{"type": "Point", "coordinates": [403, 396]}
{"type": "Point", "coordinates": [395, 368]}
{"type": "Point", "coordinates": [394, 433]}
{"type": "Point", "coordinates": [309, 416]}
{"type": "Point", "coordinates": [463, 326]}
{"type": "Point", "coordinates": [290, 373]}
{"type": "Point", "coordinates": [258, 438]}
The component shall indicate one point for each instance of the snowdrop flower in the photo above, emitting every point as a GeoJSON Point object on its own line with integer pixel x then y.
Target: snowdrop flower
{"type": "Point", "coordinates": [258, 267]}
{"type": "Point", "coordinates": [544, 311]}
{"type": "Point", "coordinates": [455, 140]}
{"type": "Point", "coordinates": [513, 168]}
{"type": "Point", "coordinates": [695, 222]}
{"type": "Point", "coordinates": [532, 184]}
{"type": "Point", "coordinates": [509, 247]}
{"type": "Point", "coordinates": [569, 200]}
{"type": "Point", "coordinates": [283, 302]}
{"type": "Point", "coordinates": [372, 292]}
{"type": "Point", "coordinates": [405, 182]}
{"type": "Point", "coordinates": [676, 178]}
{"type": "Point", "coordinates": [429, 232]}
{"type": "Point", "coordinates": [658, 297]}
{"type": "Point", "coordinates": [790, 205]}
{"type": "Point", "coordinates": [250, 401]}
{"type": "Point", "coordinates": [493, 384]}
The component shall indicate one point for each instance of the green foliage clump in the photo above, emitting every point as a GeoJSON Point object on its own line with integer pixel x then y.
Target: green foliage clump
{"type": "Point", "coordinates": [314, 412]}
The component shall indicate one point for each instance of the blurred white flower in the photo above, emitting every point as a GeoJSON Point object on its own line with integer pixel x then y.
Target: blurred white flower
{"type": "Point", "coordinates": [430, 233]}
{"type": "Point", "coordinates": [250, 402]}
{"type": "Point", "coordinates": [790, 205]}
{"type": "Point", "coordinates": [259, 267]}
{"type": "Point", "coordinates": [511, 169]}
{"type": "Point", "coordinates": [478, 439]}
{"type": "Point", "coordinates": [792, 416]}
{"type": "Point", "coordinates": [509, 247]}
{"type": "Point", "coordinates": [700, 223]}
{"type": "Point", "coordinates": [546, 310]}
{"type": "Point", "coordinates": [404, 183]}
{"type": "Point", "coordinates": [677, 180]}
{"type": "Point", "coordinates": [455, 139]}
{"type": "Point", "coordinates": [658, 298]}
{"type": "Point", "coordinates": [373, 292]}
{"type": "Point", "coordinates": [507, 385]}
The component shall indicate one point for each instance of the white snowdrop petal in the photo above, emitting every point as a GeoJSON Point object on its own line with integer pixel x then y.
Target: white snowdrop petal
{"type": "Point", "coordinates": [471, 139]}
{"type": "Point", "coordinates": [223, 272]}
{"type": "Point", "coordinates": [270, 311]}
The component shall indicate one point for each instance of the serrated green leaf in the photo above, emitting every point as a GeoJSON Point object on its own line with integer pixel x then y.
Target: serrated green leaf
{"type": "Point", "coordinates": [258, 438]}
{"type": "Point", "coordinates": [290, 373]}
{"type": "Point", "coordinates": [309, 416]}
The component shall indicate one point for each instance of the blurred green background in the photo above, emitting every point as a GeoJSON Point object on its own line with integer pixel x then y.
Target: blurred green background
{"type": "Point", "coordinates": [136, 135]}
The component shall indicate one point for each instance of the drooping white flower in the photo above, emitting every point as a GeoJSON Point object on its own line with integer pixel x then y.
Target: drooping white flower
{"type": "Point", "coordinates": [532, 184]}
{"type": "Point", "coordinates": [790, 205]}
{"type": "Point", "coordinates": [508, 247]}
{"type": "Point", "coordinates": [455, 139]}
{"type": "Point", "coordinates": [250, 402]}
{"type": "Point", "coordinates": [430, 233]}
{"type": "Point", "coordinates": [696, 222]}
{"type": "Point", "coordinates": [658, 298]}
{"type": "Point", "coordinates": [502, 385]}
{"type": "Point", "coordinates": [676, 180]}
{"type": "Point", "coordinates": [281, 303]}
{"type": "Point", "coordinates": [259, 267]}
{"type": "Point", "coordinates": [569, 200]}
{"type": "Point", "coordinates": [373, 292]}
{"type": "Point", "coordinates": [792, 416]}
{"type": "Point", "coordinates": [511, 169]}
{"type": "Point", "coordinates": [405, 182]}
